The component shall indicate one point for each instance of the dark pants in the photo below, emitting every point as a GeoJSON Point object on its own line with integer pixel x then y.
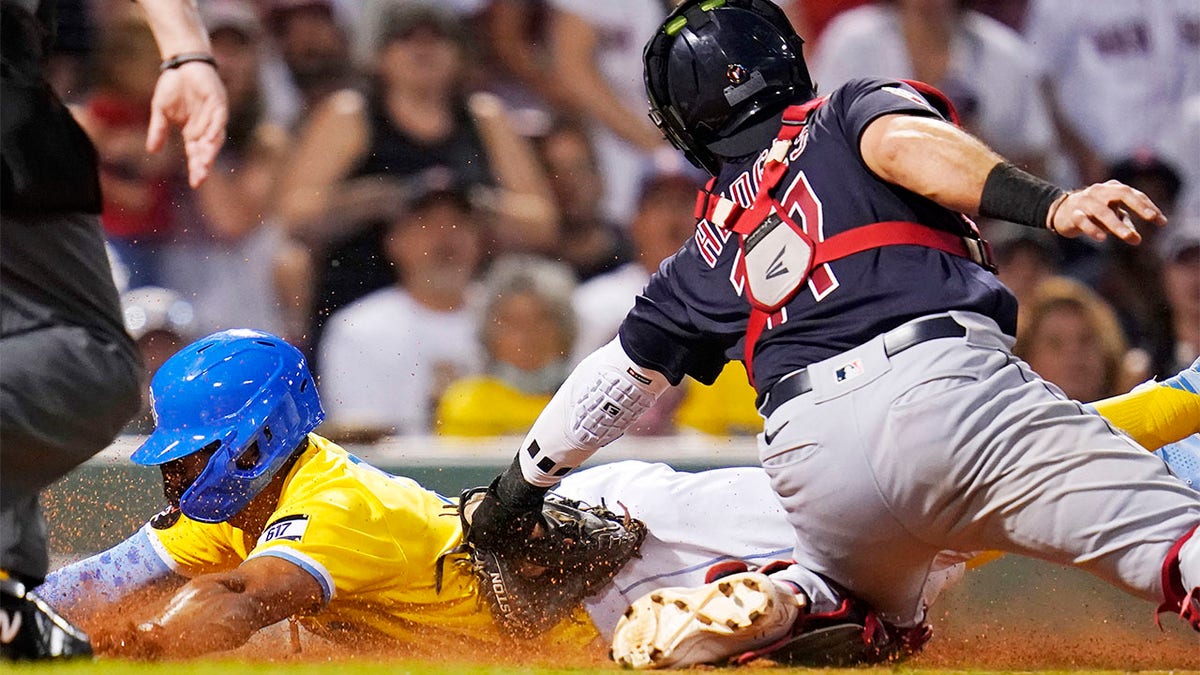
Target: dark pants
{"type": "Point", "coordinates": [69, 375]}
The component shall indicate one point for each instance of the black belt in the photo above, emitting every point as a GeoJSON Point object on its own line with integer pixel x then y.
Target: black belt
{"type": "Point", "coordinates": [894, 341]}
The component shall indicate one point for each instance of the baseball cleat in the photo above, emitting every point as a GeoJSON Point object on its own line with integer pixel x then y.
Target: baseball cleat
{"type": "Point", "coordinates": [680, 627]}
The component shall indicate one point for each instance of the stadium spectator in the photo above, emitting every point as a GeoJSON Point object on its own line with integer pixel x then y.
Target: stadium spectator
{"type": "Point", "coordinates": [589, 242]}
{"type": "Point", "coordinates": [516, 37]}
{"type": "Point", "coordinates": [1025, 259]}
{"type": "Point", "coordinates": [1131, 277]}
{"type": "Point", "coordinates": [526, 333]}
{"type": "Point", "coordinates": [597, 55]}
{"type": "Point", "coordinates": [982, 65]}
{"type": "Point", "coordinates": [1180, 247]}
{"type": "Point", "coordinates": [664, 218]}
{"type": "Point", "coordinates": [161, 323]}
{"type": "Point", "coordinates": [225, 251]}
{"type": "Point", "coordinates": [1117, 73]}
{"type": "Point", "coordinates": [1071, 337]}
{"type": "Point", "coordinates": [371, 25]}
{"type": "Point", "coordinates": [315, 48]}
{"type": "Point", "coordinates": [136, 185]}
{"type": "Point", "coordinates": [387, 357]}
{"type": "Point", "coordinates": [416, 118]}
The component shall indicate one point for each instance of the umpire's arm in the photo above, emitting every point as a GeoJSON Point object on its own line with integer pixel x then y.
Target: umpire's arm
{"type": "Point", "coordinates": [215, 612]}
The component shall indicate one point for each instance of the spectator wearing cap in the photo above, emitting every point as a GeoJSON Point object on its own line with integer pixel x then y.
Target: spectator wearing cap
{"type": "Point", "coordinates": [315, 48]}
{"type": "Point", "coordinates": [1180, 249]}
{"type": "Point", "coordinates": [160, 322]}
{"type": "Point", "coordinates": [226, 254]}
{"type": "Point", "coordinates": [416, 117]}
{"type": "Point", "coordinates": [387, 357]}
{"type": "Point", "coordinates": [1025, 258]}
{"type": "Point", "coordinates": [526, 335]}
{"type": "Point", "coordinates": [1131, 278]}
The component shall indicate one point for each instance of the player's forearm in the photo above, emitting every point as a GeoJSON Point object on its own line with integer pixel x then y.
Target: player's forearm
{"type": "Point", "coordinates": [929, 157]}
{"type": "Point", "coordinates": [209, 614]}
{"type": "Point", "coordinates": [605, 394]}
{"type": "Point", "coordinates": [177, 27]}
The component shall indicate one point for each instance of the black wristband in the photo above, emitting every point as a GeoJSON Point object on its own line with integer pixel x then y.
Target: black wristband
{"type": "Point", "coordinates": [187, 57]}
{"type": "Point", "coordinates": [1017, 196]}
{"type": "Point", "coordinates": [513, 490]}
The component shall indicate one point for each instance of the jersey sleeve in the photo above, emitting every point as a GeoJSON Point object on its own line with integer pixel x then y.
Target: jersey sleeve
{"type": "Point", "coordinates": [681, 329]}
{"type": "Point", "coordinates": [196, 548]}
{"type": "Point", "coordinates": [862, 101]}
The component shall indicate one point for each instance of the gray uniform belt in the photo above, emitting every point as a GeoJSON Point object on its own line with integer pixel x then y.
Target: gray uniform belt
{"type": "Point", "coordinates": [894, 341]}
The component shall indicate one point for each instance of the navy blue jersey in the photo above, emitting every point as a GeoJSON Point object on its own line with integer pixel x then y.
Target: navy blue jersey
{"type": "Point", "coordinates": [692, 317]}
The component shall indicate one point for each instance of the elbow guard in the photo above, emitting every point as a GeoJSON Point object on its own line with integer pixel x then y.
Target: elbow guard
{"type": "Point", "coordinates": [601, 399]}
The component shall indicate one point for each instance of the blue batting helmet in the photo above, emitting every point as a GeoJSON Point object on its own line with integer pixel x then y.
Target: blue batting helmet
{"type": "Point", "coordinates": [233, 389]}
{"type": "Point", "coordinates": [719, 72]}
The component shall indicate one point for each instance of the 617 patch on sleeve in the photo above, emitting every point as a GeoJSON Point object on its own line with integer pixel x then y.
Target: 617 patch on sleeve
{"type": "Point", "coordinates": [289, 527]}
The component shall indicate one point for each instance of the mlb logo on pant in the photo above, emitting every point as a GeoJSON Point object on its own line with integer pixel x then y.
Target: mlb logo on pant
{"type": "Point", "coordinates": [849, 371]}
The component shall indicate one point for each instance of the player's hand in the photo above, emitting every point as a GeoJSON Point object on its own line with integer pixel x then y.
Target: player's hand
{"type": "Point", "coordinates": [127, 641]}
{"type": "Point", "coordinates": [1102, 209]}
{"type": "Point", "coordinates": [191, 97]}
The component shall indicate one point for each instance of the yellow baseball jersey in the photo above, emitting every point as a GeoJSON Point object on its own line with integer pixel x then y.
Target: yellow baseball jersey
{"type": "Point", "coordinates": [372, 541]}
{"type": "Point", "coordinates": [486, 406]}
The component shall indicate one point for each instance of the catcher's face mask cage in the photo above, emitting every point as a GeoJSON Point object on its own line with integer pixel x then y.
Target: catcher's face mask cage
{"type": "Point", "coordinates": [717, 72]}
{"type": "Point", "coordinates": [245, 395]}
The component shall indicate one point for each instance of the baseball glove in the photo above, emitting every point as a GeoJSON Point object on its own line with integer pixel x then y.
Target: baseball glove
{"type": "Point", "coordinates": [576, 551]}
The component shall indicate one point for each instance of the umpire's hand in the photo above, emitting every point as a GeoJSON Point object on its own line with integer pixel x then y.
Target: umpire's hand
{"type": "Point", "coordinates": [1104, 208]}
{"type": "Point", "coordinates": [192, 97]}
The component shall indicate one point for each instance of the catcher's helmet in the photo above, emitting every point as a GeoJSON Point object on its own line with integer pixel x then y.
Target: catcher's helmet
{"type": "Point", "coordinates": [231, 390]}
{"type": "Point", "coordinates": [718, 73]}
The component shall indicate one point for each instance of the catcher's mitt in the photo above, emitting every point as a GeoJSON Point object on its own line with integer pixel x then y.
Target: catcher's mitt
{"type": "Point", "coordinates": [579, 549]}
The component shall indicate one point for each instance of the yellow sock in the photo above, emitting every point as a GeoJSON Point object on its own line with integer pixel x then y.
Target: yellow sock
{"type": "Point", "coordinates": [1154, 416]}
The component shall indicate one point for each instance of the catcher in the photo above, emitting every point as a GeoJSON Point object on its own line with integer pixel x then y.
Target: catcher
{"type": "Point", "coordinates": [270, 521]}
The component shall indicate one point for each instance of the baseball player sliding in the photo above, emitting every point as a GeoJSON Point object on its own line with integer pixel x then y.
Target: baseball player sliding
{"type": "Point", "coordinates": [831, 256]}
{"type": "Point", "coordinates": [268, 520]}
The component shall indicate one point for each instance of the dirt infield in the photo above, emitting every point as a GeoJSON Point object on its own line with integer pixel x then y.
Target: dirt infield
{"type": "Point", "coordinates": [990, 642]}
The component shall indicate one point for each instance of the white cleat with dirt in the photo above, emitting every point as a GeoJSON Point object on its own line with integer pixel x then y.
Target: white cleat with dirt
{"type": "Point", "coordinates": [681, 627]}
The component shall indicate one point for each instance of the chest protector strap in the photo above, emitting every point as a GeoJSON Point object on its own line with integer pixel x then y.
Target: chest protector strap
{"type": "Point", "coordinates": [776, 255]}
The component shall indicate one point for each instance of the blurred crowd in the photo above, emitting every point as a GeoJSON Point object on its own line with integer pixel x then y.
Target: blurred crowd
{"type": "Point", "coordinates": [448, 203]}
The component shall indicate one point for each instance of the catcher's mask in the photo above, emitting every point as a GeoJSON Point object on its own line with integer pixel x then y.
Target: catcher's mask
{"type": "Point", "coordinates": [243, 395]}
{"type": "Point", "coordinates": [719, 72]}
